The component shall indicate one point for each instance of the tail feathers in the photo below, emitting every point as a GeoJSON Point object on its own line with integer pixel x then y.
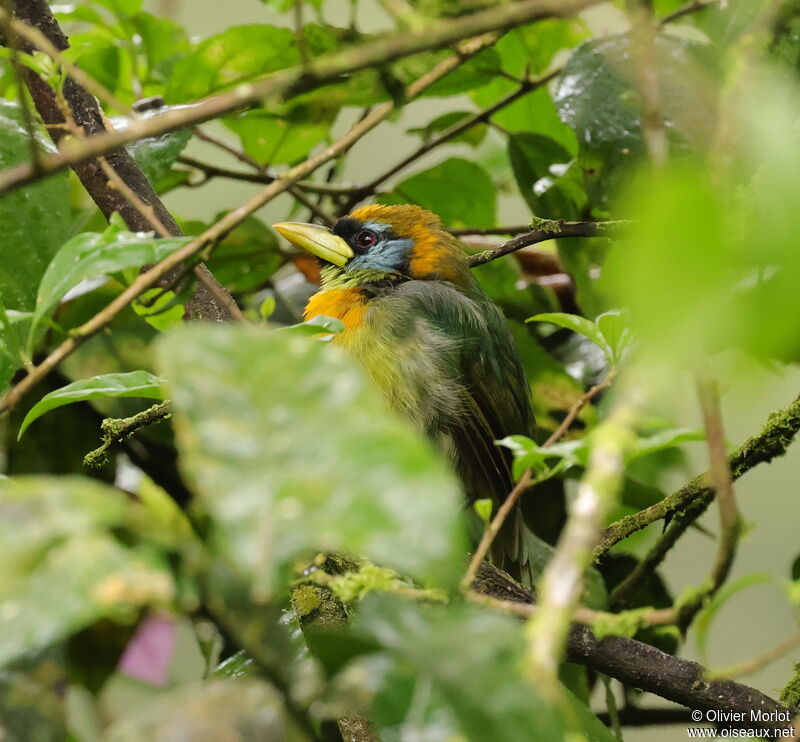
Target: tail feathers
{"type": "Point", "coordinates": [520, 552]}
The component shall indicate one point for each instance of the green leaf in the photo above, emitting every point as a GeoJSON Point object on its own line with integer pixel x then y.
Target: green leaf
{"type": "Point", "coordinates": [597, 97]}
{"type": "Point", "coordinates": [62, 570]}
{"type": "Point", "coordinates": [613, 326]}
{"type": "Point", "coordinates": [155, 155]}
{"type": "Point", "coordinates": [459, 191]}
{"type": "Point", "coordinates": [546, 176]}
{"type": "Point", "coordinates": [121, 8]}
{"type": "Point", "coordinates": [36, 218]}
{"type": "Point", "coordinates": [472, 136]}
{"type": "Point", "coordinates": [275, 138]}
{"type": "Point", "coordinates": [101, 57]}
{"type": "Point", "coordinates": [473, 74]}
{"type": "Point", "coordinates": [460, 660]}
{"type": "Point", "coordinates": [666, 439]}
{"type": "Point", "coordinates": [285, 440]}
{"type": "Point", "coordinates": [90, 254]}
{"type": "Point", "coordinates": [577, 324]}
{"type": "Point", "coordinates": [159, 308]}
{"type": "Point", "coordinates": [234, 56]}
{"type": "Point", "coordinates": [132, 384]}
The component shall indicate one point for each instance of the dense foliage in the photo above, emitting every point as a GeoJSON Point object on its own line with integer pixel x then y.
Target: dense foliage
{"type": "Point", "coordinates": [217, 531]}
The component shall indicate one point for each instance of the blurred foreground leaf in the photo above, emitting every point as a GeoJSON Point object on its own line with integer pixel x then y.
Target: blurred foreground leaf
{"type": "Point", "coordinates": [57, 550]}
{"type": "Point", "coordinates": [291, 450]}
{"type": "Point", "coordinates": [240, 710]}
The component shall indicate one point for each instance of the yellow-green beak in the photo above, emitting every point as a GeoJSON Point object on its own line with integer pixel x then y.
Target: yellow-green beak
{"type": "Point", "coordinates": [317, 240]}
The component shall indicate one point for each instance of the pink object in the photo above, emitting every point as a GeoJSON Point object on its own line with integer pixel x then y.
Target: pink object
{"type": "Point", "coordinates": [149, 653]}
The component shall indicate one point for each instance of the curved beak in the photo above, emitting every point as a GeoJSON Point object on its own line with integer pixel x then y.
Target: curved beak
{"type": "Point", "coordinates": [317, 240]}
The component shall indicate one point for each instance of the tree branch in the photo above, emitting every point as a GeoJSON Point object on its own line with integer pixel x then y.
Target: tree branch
{"type": "Point", "coordinates": [641, 665]}
{"type": "Point", "coordinates": [543, 230]}
{"type": "Point", "coordinates": [300, 79]}
{"type": "Point", "coordinates": [773, 440]}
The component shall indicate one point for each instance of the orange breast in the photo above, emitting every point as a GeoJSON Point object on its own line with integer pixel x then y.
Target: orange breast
{"type": "Point", "coordinates": [347, 305]}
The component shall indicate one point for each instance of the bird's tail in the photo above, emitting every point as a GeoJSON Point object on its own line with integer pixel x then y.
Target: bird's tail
{"type": "Point", "coordinates": [519, 551]}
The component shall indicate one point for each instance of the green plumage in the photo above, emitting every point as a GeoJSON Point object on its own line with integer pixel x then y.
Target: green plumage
{"type": "Point", "coordinates": [445, 360]}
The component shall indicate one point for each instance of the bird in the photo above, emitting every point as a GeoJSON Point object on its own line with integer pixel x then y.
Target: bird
{"type": "Point", "coordinates": [435, 345]}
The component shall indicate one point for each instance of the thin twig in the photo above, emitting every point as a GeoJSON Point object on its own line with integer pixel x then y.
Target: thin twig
{"type": "Point", "coordinates": [116, 430]}
{"type": "Point", "coordinates": [525, 481]}
{"type": "Point", "coordinates": [303, 78]}
{"type": "Point", "coordinates": [217, 231]}
{"type": "Point", "coordinates": [580, 614]}
{"type": "Point", "coordinates": [690, 7]}
{"type": "Point", "coordinates": [263, 172]}
{"type": "Point", "coordinates": [525, 87]}
{"type": "Point", "coordinates": [625, 590]}
{"type": "Point", "coordinates": [472, 231]}
{"type": "Point", "coordinates": [216, 171]}
{"type": "Point", "coordinates": [748, 667]}
{"type": "Point", "coordinates": [722, 482]}
{"type": "Point", "coordinates": [546, 229]}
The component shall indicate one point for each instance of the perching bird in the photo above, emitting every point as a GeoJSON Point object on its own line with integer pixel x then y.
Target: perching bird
{"type": "Point", "coordinates": [434, 343]}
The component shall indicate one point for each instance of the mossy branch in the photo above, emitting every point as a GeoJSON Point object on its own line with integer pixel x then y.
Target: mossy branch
{"type": "Point", "coordinates": [116, 430]}
{"type": "Point", "coordinates": [772, 441]}
{"type": "Point", "coordinates": [543, 230]}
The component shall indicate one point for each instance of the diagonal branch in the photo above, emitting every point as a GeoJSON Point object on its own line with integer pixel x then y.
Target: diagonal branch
{"type": "Point", "coordinates": [642, 666]}
{"type": "Point", "coordinates": [294, 80]}
{"type": "Point", "coordinates": [544, 230]}
{"type": "Point", "coordinates": [772, 441]}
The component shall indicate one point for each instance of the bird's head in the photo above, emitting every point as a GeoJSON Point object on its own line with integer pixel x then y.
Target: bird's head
{"type": "Point", "coordinates": [379, 242]}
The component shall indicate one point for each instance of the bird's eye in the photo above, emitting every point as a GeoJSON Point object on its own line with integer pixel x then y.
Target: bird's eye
{"type": "Point", "coordinates": [366, 239]}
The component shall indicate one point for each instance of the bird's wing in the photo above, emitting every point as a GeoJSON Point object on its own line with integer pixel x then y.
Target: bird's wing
{"type": "Point", "coordinates": [455, 350]}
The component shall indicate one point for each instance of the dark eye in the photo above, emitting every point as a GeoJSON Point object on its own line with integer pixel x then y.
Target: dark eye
{"type": "Point", "coordinates": [366, 239]}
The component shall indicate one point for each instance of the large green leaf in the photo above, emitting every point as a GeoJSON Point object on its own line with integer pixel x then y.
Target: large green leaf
{"type": "Point", "coordinates": [131, 384]}
{"type": "Point", "coordinates": [90, 254]}
{"type": "Point", "coordinates": [235, 55]}
{"type": "Point", "coordinates": [460, 658]}
{"type": "Point", "coordinates": [63, 570]}
{"type": "Point", "coordinates": [274, 138]}
{"type": "Point", "coordinates": [459, 191]}
{"type": "Point", "coordinates": [546, 175]}
{"type": "Point", "coordinates": [597, 97]}
{"type": "Point", "coordinates": [291, 450]}
{"type": "Point", "coordinates": [36, 222]}
{"type": "Point", "coordinates": [155, 155]}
